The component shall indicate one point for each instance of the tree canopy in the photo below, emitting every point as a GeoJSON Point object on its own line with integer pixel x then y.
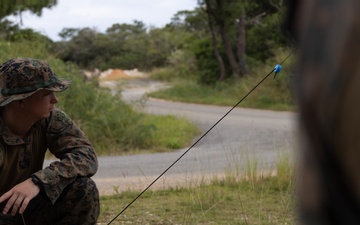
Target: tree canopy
{"type": "Point", "coordinates": [218, 40]}
{"type": "Point", "coordinates": [236, 30]}
{"type": "Point", "coordinates": [11, 7]}
{"type": "Point", "coordinates": [11, 31]}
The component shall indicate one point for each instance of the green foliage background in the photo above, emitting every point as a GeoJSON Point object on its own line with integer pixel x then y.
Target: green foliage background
{"type": "Point", "coordinates": [113, 126]}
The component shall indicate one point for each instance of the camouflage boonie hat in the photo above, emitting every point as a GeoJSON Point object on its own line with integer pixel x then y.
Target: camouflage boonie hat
{"type": "Point", "coordinates": [22, 77]}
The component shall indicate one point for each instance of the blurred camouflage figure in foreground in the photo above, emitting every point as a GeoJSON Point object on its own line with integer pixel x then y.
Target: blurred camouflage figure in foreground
{"type": "Point", "coordinates": [328, 92]}
{"type": "Point", "coordinates": [63, 192]}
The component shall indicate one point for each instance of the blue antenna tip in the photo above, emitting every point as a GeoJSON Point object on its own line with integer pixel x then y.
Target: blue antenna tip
{"type": "Point", "coordinates": [277, 68]}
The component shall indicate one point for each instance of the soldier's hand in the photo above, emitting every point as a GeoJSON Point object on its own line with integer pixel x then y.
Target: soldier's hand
{"type": "Point", "coordinates": [19, 197]}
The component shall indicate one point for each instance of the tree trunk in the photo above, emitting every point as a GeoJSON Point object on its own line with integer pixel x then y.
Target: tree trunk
{"type": "Point", "coordinates": [218, 58]}
{"type": "Point", "coordinates": [225, 40]}
{"type": "Point", "coordinates": [219, 19]}
{"type": "Point", "coordinates": [241, 46]}
{"type": "Point", "coordinates": [216, 52]}
{"type": "Point", "coordinates": [228, 50]}
{"type": "Point", "coordinates": [210, 13]}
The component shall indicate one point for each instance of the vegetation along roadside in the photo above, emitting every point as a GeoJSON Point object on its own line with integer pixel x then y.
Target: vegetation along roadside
{"type": "Point", "coordinates": [239, 197]}
{"type": "Point", "coordinates": [207, 59]}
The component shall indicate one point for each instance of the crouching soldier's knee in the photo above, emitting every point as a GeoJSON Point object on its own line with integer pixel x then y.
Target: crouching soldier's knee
{"type": "Point", "coordinates": [78, 204]}
{"type": "Point", "coordinates": [81, 200]}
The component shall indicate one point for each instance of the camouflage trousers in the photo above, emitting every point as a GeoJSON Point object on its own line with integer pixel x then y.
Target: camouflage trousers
{"type": "Point", "coordinates": [78, 204]}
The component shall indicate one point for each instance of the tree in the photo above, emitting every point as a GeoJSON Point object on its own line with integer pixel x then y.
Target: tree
{"type": "Point", "coordinates": [192, 22]}
{"type": "Point", "coordinates": [229, 21]}
{"type": "Point", "coordinates": [125, 46]}
{"type": "Point", "coordinates": [129, 44]}
{"type": "Point", "coordinates": [223, 16]}
{"type": "Point", "coordinates": [15, 7]}
{"type": "Point", "coordinates": [81, 47]}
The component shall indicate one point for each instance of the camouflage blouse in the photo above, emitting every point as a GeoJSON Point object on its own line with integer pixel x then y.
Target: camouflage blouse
{"type": "Point", "coordinates": [21, 158]}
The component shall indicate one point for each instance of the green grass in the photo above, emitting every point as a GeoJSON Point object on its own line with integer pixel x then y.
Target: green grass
{"type": "Point", "coordinates": [171, 132]}
{"type": "Point", "coordinates": [243, 194]}
{"type": "Point", "coordinates": [232, 199]}
{"type": "Point", "coordinates": [273, 94]}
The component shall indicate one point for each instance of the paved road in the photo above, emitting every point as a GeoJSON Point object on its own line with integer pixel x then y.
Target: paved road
{"type": "Point", "coordinates": [245, 134]}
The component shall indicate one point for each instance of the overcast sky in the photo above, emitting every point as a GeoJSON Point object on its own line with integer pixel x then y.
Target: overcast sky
{"type": "Point", "coordinates": [101, 14]}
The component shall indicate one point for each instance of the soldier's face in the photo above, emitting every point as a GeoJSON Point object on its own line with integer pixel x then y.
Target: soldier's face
{"type": "Point", "coordinates": [39, 105]}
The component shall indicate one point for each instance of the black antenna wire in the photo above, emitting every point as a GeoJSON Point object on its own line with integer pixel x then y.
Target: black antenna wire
{"type": "Point", "coordinates": [128, 205]}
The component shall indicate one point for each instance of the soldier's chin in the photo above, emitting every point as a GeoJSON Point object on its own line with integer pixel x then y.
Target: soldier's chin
{"type": "Point", "coordinates": [44, 116]}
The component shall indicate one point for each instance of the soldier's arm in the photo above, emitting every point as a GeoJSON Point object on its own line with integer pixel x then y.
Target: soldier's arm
{"type": "Point", "coordinates": [75, 153]}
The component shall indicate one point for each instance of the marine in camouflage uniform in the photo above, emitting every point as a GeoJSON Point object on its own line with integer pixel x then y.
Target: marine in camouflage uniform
{"type": "Point", "coordinates": [328, 91]}
{"type": "Point", "coordinates": [67, 193]}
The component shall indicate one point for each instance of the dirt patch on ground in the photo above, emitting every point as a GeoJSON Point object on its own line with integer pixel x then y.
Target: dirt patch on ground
{"type": "Point", "coordinates": [111, 186]}
{"type": "Point", "coordinates": [114, 74]}
{"type": "Point", "coordinates": [118, 74]}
